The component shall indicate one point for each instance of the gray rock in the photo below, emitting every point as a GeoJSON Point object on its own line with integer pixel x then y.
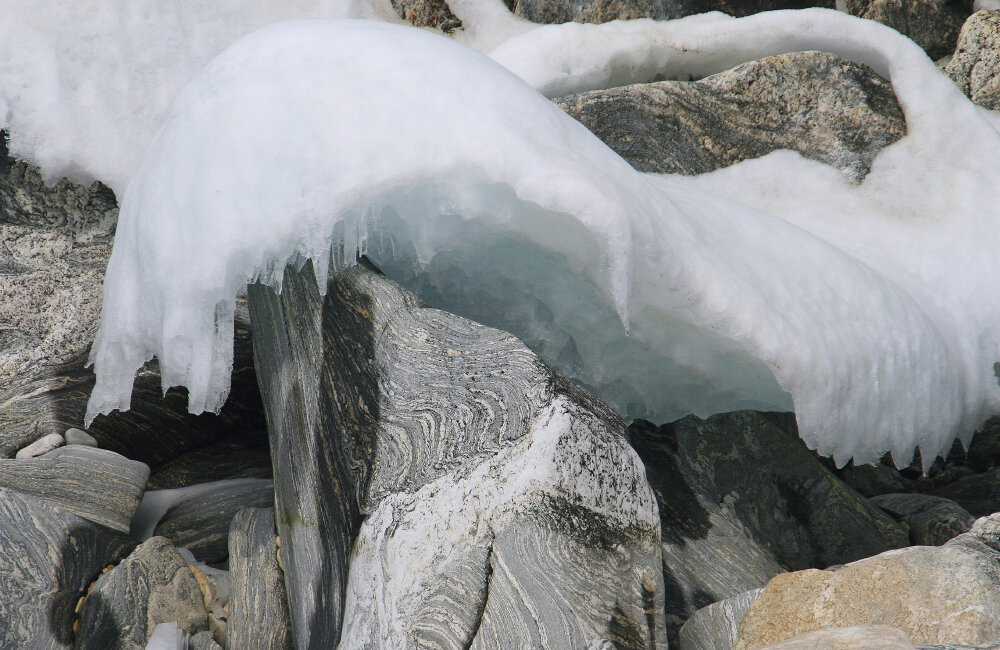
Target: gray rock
{"type": "Point", "coordinates": [856, 637]}
{"type": "Point", "coordinates": [826, 108]}
{"type": "Point", "coordinates": [201, 522]}
{"type": "Point", "coordinates": [226, 459]}
{"type": "Point", "coordinates": [708, 555]}
{"type": "Point", "coordinates": [931, 520]}
{"type": "Point", "coordinates": [975, 67]}
{"type": "Point", "coordinates": [75, 436]}
{"type": "Point", "coordinates": [977, 493]}
{"type": "Point", "coordinates": [47, 558]}
{"type": "Point", "coordinates": [756, 467]}
{"type": "Point", "coordinates": [932, 24]}
{"type": "Point", "coordinates": [428, 13]}
{"type": "Point", "coordinates": [715, 627]}
{"type": "Point", "coordinates": [204, 641]}
{"type": "Point", "coordinates": [984, 450]}
{"type": "Point", "coordinates": [872, 480]}
{"type": "Point", "coordinates": [602, 11]}
{"type": "Point", "coordinates": [258, 607]}
{"type": "Point", "coordinates": [153, 585]}
{"type": "Point", "coordinates": [43, 445]}
{"type": "Point", "coordinates": [95, 484]}
{"type": "Point", "coordinates": [468, 470]}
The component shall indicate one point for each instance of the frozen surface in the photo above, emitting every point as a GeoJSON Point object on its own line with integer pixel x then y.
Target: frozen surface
{"type": "Point", "coordinates": [873, 306]}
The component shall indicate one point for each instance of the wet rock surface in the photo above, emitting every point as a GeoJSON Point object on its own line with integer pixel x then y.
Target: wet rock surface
{"type": "Point", "coordinates": [826, 108]}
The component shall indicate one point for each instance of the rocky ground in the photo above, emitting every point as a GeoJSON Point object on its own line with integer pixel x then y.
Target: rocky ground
{"type": "Point", "coordinates": [386, 474]}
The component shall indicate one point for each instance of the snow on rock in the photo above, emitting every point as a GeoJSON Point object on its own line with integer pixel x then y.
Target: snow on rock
{"type": "Point", "coordinates": [874, 306]}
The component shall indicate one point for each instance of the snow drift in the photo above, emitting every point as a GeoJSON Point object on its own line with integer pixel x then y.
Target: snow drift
{"type": "Point", "coordinates": [873, 306]}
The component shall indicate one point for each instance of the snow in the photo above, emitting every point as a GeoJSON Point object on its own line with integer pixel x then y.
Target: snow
{"type": "Point", "coordinates": [773, 281]}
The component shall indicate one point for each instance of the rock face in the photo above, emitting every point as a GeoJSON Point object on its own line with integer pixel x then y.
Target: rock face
{"type": "Point", "coordinates": [945, 594]}
{"type": "Point", "coordinates": [716, 626]}
{"type": "Point", "coordinates": [862, 637]}
{"type": "Point", "coordinates": [708, 555]}
{"type": "Point", "coordinates": [931, 521]}
{"type": "Point", "coordinates": [602, 11]}
{"type": "Point", "coordinates": [152, 585]}
{"type": "Point", "coordinates": [932, 24]}
{"type": "Point", "coordinates": [755, 465]}
{"type": "Point", "coordinates": [977, 493]}
{"type": "Point", "coordinates": [95, 484]}
{"type": "Point", "coordinates": [258, 607]}
{"type": "Point", "coordinates": [201, 522]}
{"type": "Point", "coordinates": [47, 558]}
{"type": "Point", "coordinates": [975, 67]}
{"type": "Point", "coordinates": [494, 504]}
{"type": "Point", "coordinates": [826, 108]}
{"type": "Point", "coordinates": [237, 456]}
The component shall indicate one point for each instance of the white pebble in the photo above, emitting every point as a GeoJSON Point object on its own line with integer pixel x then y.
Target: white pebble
{"type": "Point", "coordinates": [41, 446]}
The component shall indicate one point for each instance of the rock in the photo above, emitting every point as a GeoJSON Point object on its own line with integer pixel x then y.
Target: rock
{"type": "Point", "coordinates": [934, 594]}
{"type": "Point", "coordinates": [258, 607]}
{"type": "Point", "coordinates": [79, 437]}
{"type": "Point", "coordinates": [226, 459]}
{"type": "Point", "coordinates": [43, 445]}
{"type": "Point", "coordinates": [932, 24]}
{"type": "Point", "coordinates": [872, 480]}
{"type": "Point", "coordinates": [708, 555]}
{"type": "Point", "coordinates": [984, 450]}
{"type": "Point", "coordinates": [54, 246]}
{"type": "Point", "coordinates": [201, 522]}
{"type": "Point", "coordinates": [153, 585]}
{"type": "Point", "coordinates": [494, 503]}
{"type": "Point", "coordinates": [427, 13]}
{"type": "Point", "coordinates": [862, 637]}
{"type": "Point", "coordinates": [755, 466]}
{"type": "Point", "coordinates": [95, 484]}
{"type": "Point", "coordinates": [204, 641]}
{"type": "Point", "coordinates": [47, 557]}
{"type": "Point", "coordinates": [715, 627]}
{"type": "Point", "coordinates": [826, 108]}
{"type": "Point", "coordinates": [931, 520]}
{"type": "Point", "coordinates": [602, 11]}
{"type": "Point", "coordinates": [977, 493]}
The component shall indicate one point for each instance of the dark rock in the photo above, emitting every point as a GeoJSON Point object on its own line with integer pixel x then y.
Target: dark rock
{"type": "Point", "coordinates": [490, 499]}
{"type": "Point", "coordinates": [152, 585]}
{"type": "Point", "coordinates": [225, 459]}
{"type": "Point", "coordinates": [258, 607]}
{"type": "Point", "coordinates": [602, 11]}
{"type": "Point", "coordinates": [95, 484]}
{"type": "Point", "coordinates": [931, 520]}
{"type": "Point", "coordinates": [201, 522]}
{"type": "Point", "coordinates": [826, 108]}
{"type": "Point", "coordinates": [975, 67]}
{"type": "Point", "coordinates": [932, 24]}
{"type": "Point", "coordinates": [427, 13]}
{"type": "Point", "coordinates": [872, 480]}
{"type": "Point", "coordinates": [984, 450]}
{"type": "Point", "coordinates": [715, 627]}
{"type": "Point", "coordinates": [757, 466]}
{"type": "Point", "coordinates": [47, 558]}
{"type": "Point", "coordinates": [708, 555]}
{"type": "Point", "coordinates": [977, 493]}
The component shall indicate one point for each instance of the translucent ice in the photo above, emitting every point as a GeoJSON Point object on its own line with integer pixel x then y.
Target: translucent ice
{"type": "Point", "coordinates": [874, 306]}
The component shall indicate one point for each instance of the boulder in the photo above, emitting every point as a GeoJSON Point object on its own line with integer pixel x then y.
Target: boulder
{"type": "Point", "coordinates": [716, 626]}
{"type": "Point", "coordinates": [153, 585]}
{"type": "Point", "coordinates": [482, 500]}
{"type": "Point", "coordinates": [872, 480]}
{"type": "Point", "coordinates": [602, 11]}
{"type": "Point", "coordinates": [825, 107]}
{"type": "Point", "coordinates": [708, 555]}
{"type": "Point", "coordinates": [984, 450]}
{"type": "Point", "coordinates": [934, 25]}
{"type": "Point", "coordinates": [977, 493]}
{"type": "Point", "coordinates": [95, 484]}
{"type": "Point", "coordinates": [861, 637]}
{"type": "Point", "coordinates": [755, 466]}
{"type": "Point", "coordinates": [47, 557]}
{"type": "Point", "coordinates": [931, 520]}
{"type": "Point", "coordinates": [435, 14]}
{"type": "Point", "coordinates": [76, 436]}
{"type": "Point", "coordinates": [200, 522]}
{"type": "Point", "coordinates": [258, 606]}
{"type": "Point", "coordinates": [934, 594]}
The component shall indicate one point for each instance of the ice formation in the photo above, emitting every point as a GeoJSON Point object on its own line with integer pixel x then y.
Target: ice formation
{"type": "Point", "coordinates": [871, 305]}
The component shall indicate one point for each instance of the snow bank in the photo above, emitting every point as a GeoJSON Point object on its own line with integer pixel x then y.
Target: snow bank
{"type": "Point", "coordinates": [872, 306]}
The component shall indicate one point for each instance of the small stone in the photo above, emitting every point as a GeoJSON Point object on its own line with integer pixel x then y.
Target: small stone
{"type": "Point", "coordinates": [43, 445]}
{"type": "Point", "coordinates": [79, 437]}
{"type": "Point", "coordinates": [931, 520]}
